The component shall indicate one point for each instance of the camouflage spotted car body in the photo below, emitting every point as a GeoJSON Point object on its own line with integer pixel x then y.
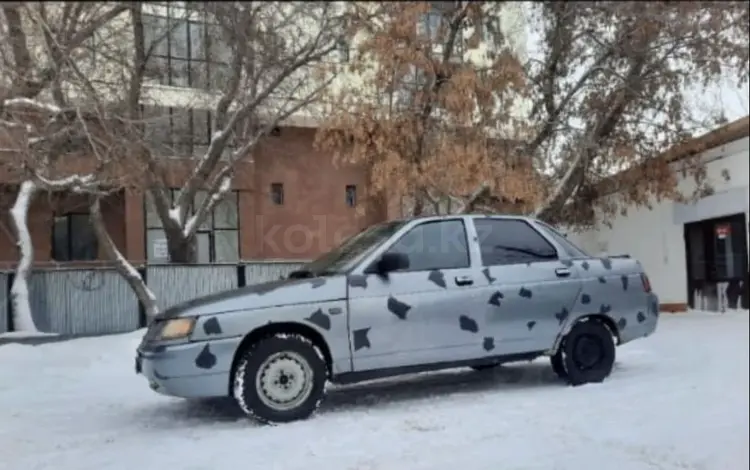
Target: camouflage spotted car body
{"type": "Point", "coordinates": [375, 307]}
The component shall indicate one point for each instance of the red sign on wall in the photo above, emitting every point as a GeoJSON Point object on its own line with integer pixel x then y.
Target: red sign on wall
{"type": "Point", "coordinates": [722, 231]}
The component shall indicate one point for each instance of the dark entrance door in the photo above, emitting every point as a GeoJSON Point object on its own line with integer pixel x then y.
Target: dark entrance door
{"type": "Point", "coordinates": [716, 253]}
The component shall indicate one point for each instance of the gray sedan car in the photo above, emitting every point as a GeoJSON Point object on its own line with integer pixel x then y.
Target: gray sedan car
{"type": "Point", "coordinates": [402, 297]}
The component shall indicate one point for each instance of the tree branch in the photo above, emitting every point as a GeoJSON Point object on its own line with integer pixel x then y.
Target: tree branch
{"type": "Point", "coordinates": [618, 100]}
{"type": "Point", "coordinates": [32, 86]}
{"type": "Point", "coordinates": [221, 185]}
{"type": "Point", "coordinates": [470, 203]}
{"type": "Point", "coordinates": [19, 49]}
{"type": "Point", "coordinates": [126, 270]}
{"type": "Point", "coordinates": [219, 140]}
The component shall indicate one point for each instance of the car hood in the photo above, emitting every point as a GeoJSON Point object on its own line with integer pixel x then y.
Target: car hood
{"type": "Point", "coordinates": [267, 294]}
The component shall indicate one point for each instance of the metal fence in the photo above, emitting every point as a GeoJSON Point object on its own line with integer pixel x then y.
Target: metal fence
{"type": "Point", "coordinates": [93, 301]}
{"type": "Point", "coordinates": [174, 284]}
{"type": "Point", "coordinates": [99, 301]}
{"type": "Point", "coordinates": [262, 272]}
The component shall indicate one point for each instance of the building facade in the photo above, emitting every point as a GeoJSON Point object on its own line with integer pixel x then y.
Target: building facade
{"type": "Point", "coordinates": [289, 201]}
{"type": "Point", "coordinates": [695, 254]}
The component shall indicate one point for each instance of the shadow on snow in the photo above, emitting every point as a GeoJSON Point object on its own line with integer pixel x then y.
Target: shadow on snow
{"type": "Point", "coordinates": [372, 394]}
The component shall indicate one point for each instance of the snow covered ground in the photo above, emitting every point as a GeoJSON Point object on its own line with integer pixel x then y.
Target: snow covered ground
{"type": "Point", "coordinates": [25, 335]}
{"type": "Point", "coordinates": [677, 400]}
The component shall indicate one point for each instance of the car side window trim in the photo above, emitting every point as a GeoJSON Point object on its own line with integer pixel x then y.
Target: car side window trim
{"type": "Point", "coordinates": [569, 248]}
{"type": "Point", "coordinates": [531, 227]}
{"type": "Point", "coordinates": [432, 222]}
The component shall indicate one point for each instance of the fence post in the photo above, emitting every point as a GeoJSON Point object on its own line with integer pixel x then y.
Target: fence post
{"type": "Point", "coordinates": [9, 301]}
{"type": "Point", "coordinates": [241, 281]}
{"type": "Point", "coordinates": [142, 318]}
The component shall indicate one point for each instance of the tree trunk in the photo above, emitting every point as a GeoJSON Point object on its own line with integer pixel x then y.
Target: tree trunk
{"type": "Point", "coordinates": [418, 207]}
{"type": "Point", "coordinates": [126, 270]}
{"type": "Point", "coordinates": [19, 292]}
{"type": "Point", "coordinates": [181, 250]}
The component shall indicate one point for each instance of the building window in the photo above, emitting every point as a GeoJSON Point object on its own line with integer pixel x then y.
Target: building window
{"type": "Point", "coordinates": [185, 50]}
{"type": "Point", "coordinates": [179, 132]}
{"type": "Point", "coordinates": [92, 47]}
{"type": "Point", "coordinates": [217, 238]}
{"type": "Point", "coordinates": [491, 30]}
{"type": "Point", "coordinates": [277, 193]}
{"type": "Point", "coordinates": [351, 195]}
{"type": "Point", "coordinates": [342, 46]}
{"type": "Point", "coordinates": [412, 83]}
{"type": "Point", "coordinates": [429, 24]}
{"type": "Point", "coordinates": [429, 27]}
{"type": "Point", "coordinates": [73, 238]}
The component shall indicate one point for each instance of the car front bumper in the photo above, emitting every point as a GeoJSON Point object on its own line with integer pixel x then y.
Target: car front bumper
{"type": "Point", "coordinates": [188, 370]}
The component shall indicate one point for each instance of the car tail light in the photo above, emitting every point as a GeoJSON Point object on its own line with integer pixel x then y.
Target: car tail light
{"type": "Point", "coordinates": [646, 282]}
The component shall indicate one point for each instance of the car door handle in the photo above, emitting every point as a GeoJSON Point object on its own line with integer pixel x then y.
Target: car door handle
{"type": "Point", "coordinates": [562, 272]}
{"type": "Point", "coordinates": [464, 281]}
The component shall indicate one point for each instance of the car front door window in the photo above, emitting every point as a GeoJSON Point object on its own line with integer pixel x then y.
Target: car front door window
{"type": "Point", "coordinates": [435, 245]}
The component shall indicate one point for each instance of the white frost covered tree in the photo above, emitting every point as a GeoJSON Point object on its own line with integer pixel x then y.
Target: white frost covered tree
{"type": "Point", "coordinates": [84, 81]}
{"type": "Point", "coordinates": [39, 125]}
{"type": "Point", "coordinates": [271, 56]}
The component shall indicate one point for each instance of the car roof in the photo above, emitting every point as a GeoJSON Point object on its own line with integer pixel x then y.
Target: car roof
{"type": "Point", "coordinates": [428, 218]}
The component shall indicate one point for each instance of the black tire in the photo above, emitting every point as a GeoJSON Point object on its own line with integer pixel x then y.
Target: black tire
{"type": "Point", "coordinates": [587, 353]}
{"type": "Point", "coordinates": [558, 366]}
{"type": "Point", "coordinates": [259, 373]}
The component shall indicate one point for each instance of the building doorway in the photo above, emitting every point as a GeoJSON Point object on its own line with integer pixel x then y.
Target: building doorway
{"type": "Point", "coordinates": [717, 264]}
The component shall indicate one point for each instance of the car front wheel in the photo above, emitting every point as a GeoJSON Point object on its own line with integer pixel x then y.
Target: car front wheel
{"type": "Point", "coordinates": [587, 354]}
{"type": "Point", "coordinates": [558, 366]}
{"type": "Point", "coordinates": [280, 379]}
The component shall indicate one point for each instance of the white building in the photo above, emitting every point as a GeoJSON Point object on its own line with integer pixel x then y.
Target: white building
{"type": "Point", "coordinates": [696, 255]}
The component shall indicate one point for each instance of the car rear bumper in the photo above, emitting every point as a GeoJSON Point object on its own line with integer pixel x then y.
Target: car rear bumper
{"type": "Point", "coordinates": [641, 322]}
{"type": "Point", "coordinates": [189, 370]}
{"type": "Point", "coordinates": [653, 313]}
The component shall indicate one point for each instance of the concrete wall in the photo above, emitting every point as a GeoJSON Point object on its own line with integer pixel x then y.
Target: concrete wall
{"type": "Point", "coordinates": [655, 237]}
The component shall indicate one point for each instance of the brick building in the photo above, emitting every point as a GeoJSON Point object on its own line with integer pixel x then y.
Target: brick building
{"type": "Point", "coordinates": [289, 202]}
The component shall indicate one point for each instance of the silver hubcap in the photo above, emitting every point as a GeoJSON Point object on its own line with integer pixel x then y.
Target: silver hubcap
{"type": "Point", "coordinates": [284, 381]}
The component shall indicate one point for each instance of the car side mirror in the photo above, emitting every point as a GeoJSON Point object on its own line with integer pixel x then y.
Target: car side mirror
{"type": "Point", "coordinates": [390, 262]}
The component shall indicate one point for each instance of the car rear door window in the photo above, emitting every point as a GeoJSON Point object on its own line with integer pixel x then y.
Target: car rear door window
{"type": "Point", "coordinates": [508, 241]}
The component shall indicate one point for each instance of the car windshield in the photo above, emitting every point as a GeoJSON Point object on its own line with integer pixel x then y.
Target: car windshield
{"type": "Point", "coordinates": [351, 250]}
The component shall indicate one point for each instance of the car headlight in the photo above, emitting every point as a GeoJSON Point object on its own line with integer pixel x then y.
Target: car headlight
{"type": "Point", "coordinates": [177, 328]}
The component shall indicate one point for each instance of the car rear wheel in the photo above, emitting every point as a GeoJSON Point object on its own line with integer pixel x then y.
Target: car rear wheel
{"type": "Point", "coordinates": [587, 354]}
{"type": "Point", "coordinates": [280, 379]}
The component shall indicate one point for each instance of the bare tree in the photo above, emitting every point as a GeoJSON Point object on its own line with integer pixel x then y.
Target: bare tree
{"type": "Point", "coordinates": [39, 126]}
{"type": "Point", "coordinates": [271, 54]}
{"type": "Point", "coordinates": [98, 96]}
{"type": "Point", "coordinates": [607, 89]}
{"type": "Point", "coordinates": [613, 92]}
